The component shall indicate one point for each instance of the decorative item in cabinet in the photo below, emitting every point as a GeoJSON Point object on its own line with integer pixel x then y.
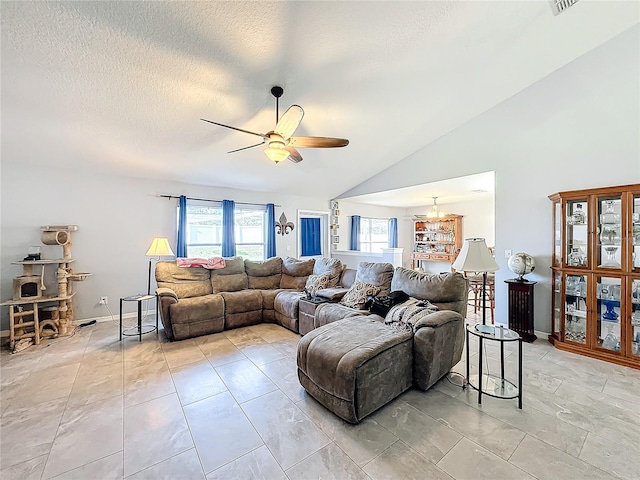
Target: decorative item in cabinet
{"type": "Point", "coordinates": [436, 239]}
{"type": "Point", "coordinates": [596, 273]}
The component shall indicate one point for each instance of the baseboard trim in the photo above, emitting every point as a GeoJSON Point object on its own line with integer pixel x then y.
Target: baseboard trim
{"type": "Point", "coordinates": [107, 318]}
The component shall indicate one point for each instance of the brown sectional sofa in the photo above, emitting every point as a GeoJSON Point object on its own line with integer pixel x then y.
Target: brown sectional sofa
{"type": "Point", "coordinates": [197, 301]}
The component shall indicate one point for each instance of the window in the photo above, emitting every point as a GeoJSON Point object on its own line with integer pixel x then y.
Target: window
{"type": "Point", "coordinates": [374, 234]}
{"type": "Point", "coordinates": [204, 231]}
{"type": "Point", "coordinates": [250, 228]}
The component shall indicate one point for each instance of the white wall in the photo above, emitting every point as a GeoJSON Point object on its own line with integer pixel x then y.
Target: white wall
{"type": "Point", "coordinates": [117, 218]}
{"type": "Point", "coordinates": [577, 128]}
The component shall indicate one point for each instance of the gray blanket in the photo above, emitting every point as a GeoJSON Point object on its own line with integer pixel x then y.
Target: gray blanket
{"type": "Point", "coordinates": [405, 315]}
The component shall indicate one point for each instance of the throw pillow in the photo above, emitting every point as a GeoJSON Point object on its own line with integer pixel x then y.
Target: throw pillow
{"type": "Point", "coordinates": [317, 282]}
{"type": "Point", "coordinates": [356, 297]}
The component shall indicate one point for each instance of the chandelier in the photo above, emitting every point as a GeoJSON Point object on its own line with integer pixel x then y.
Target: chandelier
{"type": "Point", "coordinates": [435, 212]}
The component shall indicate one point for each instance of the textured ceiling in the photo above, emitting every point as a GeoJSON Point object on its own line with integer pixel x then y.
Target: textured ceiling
{"type": "Point", "coordinates": [119, 87]}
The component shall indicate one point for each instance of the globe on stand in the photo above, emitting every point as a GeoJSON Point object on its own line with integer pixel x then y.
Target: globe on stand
{"type": "Point", "coordinates": [521, 263]}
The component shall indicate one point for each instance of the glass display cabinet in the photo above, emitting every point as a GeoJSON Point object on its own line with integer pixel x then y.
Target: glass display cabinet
{"type": "Point", "coordinates": [596, 273]}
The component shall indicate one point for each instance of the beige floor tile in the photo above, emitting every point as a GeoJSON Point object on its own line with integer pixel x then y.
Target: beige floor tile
{"type": "Point", "coordinates": [401, 462]}
{"type": "Point", "coordinates": [428, 437]}
{"type": "Point", "coordinates": [103, 353]}
{"type": "Point", "coordinates": [220, 430]}
{"type": "Point", "coordinates": [182, 353]}
{"type": "Point", "coordinates": [196, 381]}
{"type": "Point", "coordinates": [625, 390]}
{"type": "Point", "coordinates": [86, 433]}
{"type": "Point", "coordinates": [547, 428]}
{"type": "Point", "coordinates": [258, 464]}
{"type": "Point", "coordinates": [361, 442]}
{"type": "Point", "coordinates": [284, 373]}
{"type": "Point", "coordinates": [47, 384]}
{"type": "Point", "coordinates": [287, 432]}
{"type": "Point", "coordinates": [244, 380]}
{"type": "Point", "coordinates": [468, 460]}
{"type": "Point", "coordinates": [545, 462]}
{"type": "Point", "coordinates": [220, 351]}
{"type": "Point", "coordinates": [328, 462]}
{"type": "Point", "coordinates": [185, 465]}
{"type": "Point", "coordinates": [610, 457]}
{"type": "Point", "coordinates": [146, 382]}
{"type": "Point", "coordinates": [154, 431]}
{"type": "Point", "coordinates": [97, 382]}
{"type": "Point", "coordinates": [495, 435]}
{"type": "Point", "coordinates": [270, 332]}
{"type": "Point", "coordinates": [262, 353]}
{"type": "Point", "coordinates": [107, 468]}
{"type": "Point", "coordinates": [137, 354]}
{"type": "Point", "coordinates": [288, 347]}
{"type": "Point", "coordinates": [241, 337]}
{"type": "Point", "coordinates": [27, 470]}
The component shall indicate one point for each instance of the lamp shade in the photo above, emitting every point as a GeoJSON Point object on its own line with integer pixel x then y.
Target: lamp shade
{"type": "Point", "coordinates": [160, 248]}
{"type": "Point", "coordinates": [475, 257]}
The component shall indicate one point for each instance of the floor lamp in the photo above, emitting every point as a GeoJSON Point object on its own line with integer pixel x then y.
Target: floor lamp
{"type": "Point", "coordinates": [476, 257]}
{"type": "Point", "coordinates": [159, 248]}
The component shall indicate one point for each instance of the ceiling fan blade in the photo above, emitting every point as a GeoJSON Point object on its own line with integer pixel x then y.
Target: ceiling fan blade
{"type": "Point", "coordinates": [246, 148]}
{"type": "Point", "coordinates": [289, 121]}
{"type": "Point", "coordinates": [294, 155]}
{"type": "Point", "coordinates": [235, 128]}
{"type": "Point", "coordinates": [318, 142]}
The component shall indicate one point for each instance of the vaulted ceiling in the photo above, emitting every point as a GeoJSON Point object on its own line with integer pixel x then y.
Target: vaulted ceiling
{"type": "Point", "coordinates": [119, 87]}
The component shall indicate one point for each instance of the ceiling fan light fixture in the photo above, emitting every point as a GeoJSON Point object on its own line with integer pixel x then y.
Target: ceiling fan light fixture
{"type": "Point", "coordinates": [276, 154]}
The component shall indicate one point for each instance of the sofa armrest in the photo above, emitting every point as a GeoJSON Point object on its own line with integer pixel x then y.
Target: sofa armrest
{"type": "Point", "coordinates": [438, 319]}
{"type": "Point", "coordinates": [166, 298]}
{"type": "Point", "coordinates": [333, 293]}
{"type": "Point", "coordinates": [166, 292]}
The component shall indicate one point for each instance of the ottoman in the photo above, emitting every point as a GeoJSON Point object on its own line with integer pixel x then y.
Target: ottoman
{"type": "Point", "coordinates": [356, 365]}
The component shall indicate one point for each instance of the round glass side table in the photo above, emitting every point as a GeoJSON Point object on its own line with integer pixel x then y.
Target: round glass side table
{"type": "Point", "coordinates": [488, 384]}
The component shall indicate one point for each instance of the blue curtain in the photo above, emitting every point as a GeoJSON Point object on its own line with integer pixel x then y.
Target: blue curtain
{"type": "Point", "coordinates": [355, 233]}
{"type": "Point", "coordinates": [271, 231]}
{"type": "Point", "coordinates": [393, 233]}
{"type": "Point", "coordinates": [181, 247]}
{"type": "Point", "coordinates": [310, 236]}
{"type": "Point", "coordinates": [228, 228]}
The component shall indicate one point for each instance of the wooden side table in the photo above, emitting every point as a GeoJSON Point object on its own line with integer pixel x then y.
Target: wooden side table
{"type": "Point", "coordinates": [521, 308]}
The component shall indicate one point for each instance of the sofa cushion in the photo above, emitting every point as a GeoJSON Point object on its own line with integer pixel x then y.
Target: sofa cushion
{"type": "Point", "coordinates": [264, 275]}
{"type": "Point", "coordinates": [185, 282]}
{"type": "Point", "coordinates": [357, 295]}
{"type": "Point", "coordinates": [332, 312]}
{"type": "Point", "coordinates": [231, 278]}
{"type": "Point", "coordinates": [287, 302]}
{"type": "Point", "coordinates": [316, 282]}
{"type": "Point", "coordinates": [331, 266]}
{"type": "Point", "coordinates": [355, 366]}
{"type": "Point", "coordinates": [378, 274]}
{"type": "Point", "coordinates": [295, 273]}
{"type": "Point", "coordinates": [242, 308]}
{"type": "Point", "coordinates": [448, 291]}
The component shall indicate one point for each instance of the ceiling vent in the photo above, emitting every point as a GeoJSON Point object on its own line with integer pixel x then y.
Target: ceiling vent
{"type": "Point", "coordinates": [559, 6]}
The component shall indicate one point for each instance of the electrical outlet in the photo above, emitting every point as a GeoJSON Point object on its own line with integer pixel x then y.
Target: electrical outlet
{"type": "Point", "coordinates": [507, 253]}
{"type": "Point", "coordinates": [103, 300]}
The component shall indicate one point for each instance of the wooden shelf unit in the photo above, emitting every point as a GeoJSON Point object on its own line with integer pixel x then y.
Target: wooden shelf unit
{"type": "Point", "coordinates": [596, 273]}
{"type": "Point", "coordinates": [436, 239]}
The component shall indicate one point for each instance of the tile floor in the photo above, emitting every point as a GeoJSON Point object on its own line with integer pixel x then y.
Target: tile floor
{"type": "Point", "coordinates": [229, 406]}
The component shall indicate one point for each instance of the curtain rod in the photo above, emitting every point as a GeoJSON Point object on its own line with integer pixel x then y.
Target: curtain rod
{"type": "Point", "coordinates": [209, 200]}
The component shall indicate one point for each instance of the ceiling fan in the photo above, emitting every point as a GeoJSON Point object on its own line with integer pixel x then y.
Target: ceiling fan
{"type": "Point", "coordinates": [280, 142]}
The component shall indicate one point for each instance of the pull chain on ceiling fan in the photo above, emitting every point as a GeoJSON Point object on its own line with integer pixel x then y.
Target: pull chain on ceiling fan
{"type": "Point", "coordinates": [280, 142]}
